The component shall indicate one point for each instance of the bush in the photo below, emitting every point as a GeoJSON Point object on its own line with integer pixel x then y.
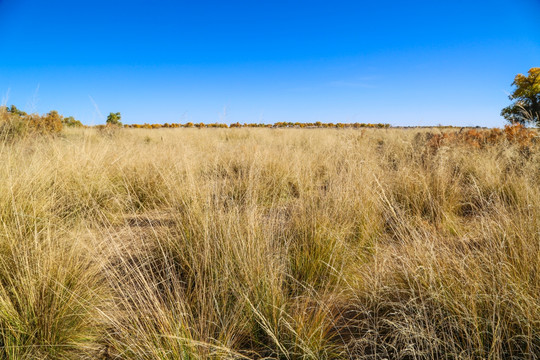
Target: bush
{"type": "Point", "coordinates": [50, 123]}
{"type": "Point", "coordinates": [114, 119]}
{"type": "Point", "coordinates": [70, 121]}
{"type": "Point", "coordinates": [513, 134]}
{"type": "Point", "coordinates": [11, 126]}
{"type": "Point", "coordinates": [15, 124]}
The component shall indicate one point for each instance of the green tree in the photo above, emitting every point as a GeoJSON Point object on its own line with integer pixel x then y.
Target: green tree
{"type": "Point", "coordinates": [526, 107]}
{"type": "Point", "coordinates": [114, 119]}
{"type": "Point", "coordinates": [13, 109]}
{"type": "Point", "coordinates": [70, 121]}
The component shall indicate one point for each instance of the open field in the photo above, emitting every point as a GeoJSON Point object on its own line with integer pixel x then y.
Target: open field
{"type": "Point", "coordinates": [269, 243]}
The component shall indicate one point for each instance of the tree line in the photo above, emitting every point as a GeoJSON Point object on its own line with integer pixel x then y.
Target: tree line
{"type": "Point", "coordinates": [524, 110]}
{"type": "Point", "coordinates": [258, 125]}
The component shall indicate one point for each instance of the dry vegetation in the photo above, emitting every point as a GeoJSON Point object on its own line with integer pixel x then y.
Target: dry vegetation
{"type": "Point", "coordinates": [269, 243]}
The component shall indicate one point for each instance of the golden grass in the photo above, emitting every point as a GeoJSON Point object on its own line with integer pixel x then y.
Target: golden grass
{"type": "Point", "coordinates": [268, 243]}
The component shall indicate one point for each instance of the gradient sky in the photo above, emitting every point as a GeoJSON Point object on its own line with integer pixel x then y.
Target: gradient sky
{"type": "Point", "coordinates": [398, 62]}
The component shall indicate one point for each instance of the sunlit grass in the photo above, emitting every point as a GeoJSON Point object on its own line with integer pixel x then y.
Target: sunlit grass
{"type": "Point", "coordinates": [270, 243]}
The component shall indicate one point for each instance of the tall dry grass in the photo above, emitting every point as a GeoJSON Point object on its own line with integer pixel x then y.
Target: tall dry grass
{"type": "Point", "coordinates": [268, 243]}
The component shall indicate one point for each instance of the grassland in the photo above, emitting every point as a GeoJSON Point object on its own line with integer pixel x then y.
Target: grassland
{"type": "Point", "coordinates": [268, 243]}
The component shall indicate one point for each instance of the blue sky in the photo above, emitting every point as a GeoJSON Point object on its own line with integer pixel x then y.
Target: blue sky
{"type": "Point", "coordinates": [398, 62]}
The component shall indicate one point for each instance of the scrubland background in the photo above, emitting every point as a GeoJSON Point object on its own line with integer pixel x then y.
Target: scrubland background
{"type": "Point", "coordinates": [269, 243]}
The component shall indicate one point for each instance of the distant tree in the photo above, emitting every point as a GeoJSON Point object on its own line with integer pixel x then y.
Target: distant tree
{"type": "Point", "coordinates": [13, 109]}
{"type": "Point", "coordinates": [71, 122]}
{"type": "Point", "coordinates": [114, 119]}
{"type": "Point", "coordinates": [526, 108]}
{"type": "Point", "coordinates": [49, 123]}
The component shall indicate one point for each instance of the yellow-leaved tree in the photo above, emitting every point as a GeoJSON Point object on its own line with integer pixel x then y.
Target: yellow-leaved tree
{"type": "Point", "coordinates": [526, 97]}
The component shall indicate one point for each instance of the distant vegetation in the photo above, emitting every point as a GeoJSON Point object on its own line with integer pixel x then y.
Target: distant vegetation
{"type": "Point", "coordinates": [258, 125]}
{"type": "Point", "coordinates": [114, 119]}
{"type": "Point", "coordinates": [70, 121]}
{"type": "Point", "coordinates": [524, 110]}
{"type": "Point", "coordinates": [15, 123]}
{"type": "Point", "coordinates": [53, 122]}
{"type": "Point", "coordinates": [512, 134]}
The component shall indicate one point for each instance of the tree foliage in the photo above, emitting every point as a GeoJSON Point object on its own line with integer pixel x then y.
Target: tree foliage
{"type": "Point", "coordinates": [16, 124]}
{"type": "Point", "coordinates": [114, 119]}
{"type": "Point", "coordinates": [50, 123]}
{"type": "Point", "coordinates": [13, 110]}
{"type": "Point", "coordinates": [70, 121]}
{"type": "Point", "coordinates": [526, 97]}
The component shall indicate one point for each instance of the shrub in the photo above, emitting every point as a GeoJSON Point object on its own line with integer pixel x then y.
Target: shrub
{"type": "Point", "coordinates": [11, 126]}
{"type": "Point", "coordinates": [50, 123]}
{"type": "Point", "coordinates": [70, 121]}
{"type": "Point", "coordinates": [15, 124]}
{"type": "Point", "coordinates": [114, 119]}
{"type": "Point", "coordinates": [513, 134]}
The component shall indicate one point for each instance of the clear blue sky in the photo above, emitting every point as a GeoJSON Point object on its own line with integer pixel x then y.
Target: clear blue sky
{"type": "Point", "coordinates": [399, 62]}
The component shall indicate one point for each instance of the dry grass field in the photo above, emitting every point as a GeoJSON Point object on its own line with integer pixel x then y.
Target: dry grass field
{"type": "Point", "coordinates": [269, 243]}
